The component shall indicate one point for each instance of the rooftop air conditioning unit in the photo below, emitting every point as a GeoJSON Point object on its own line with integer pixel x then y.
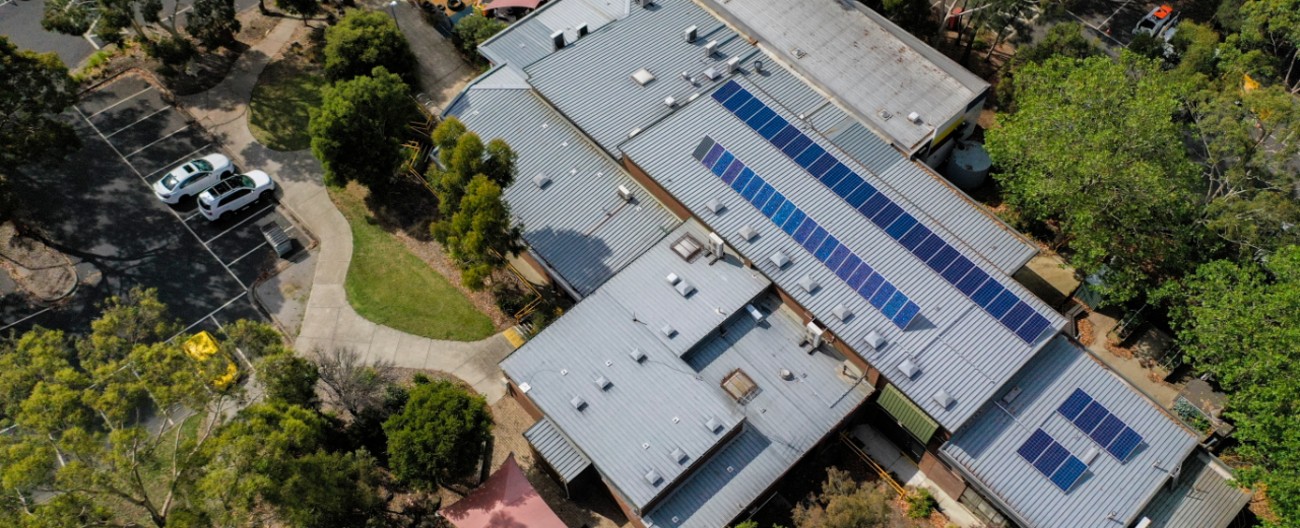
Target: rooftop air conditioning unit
{"type": "Point", "coordinates": [732, 64]}
{"type": "Point", "coordinates": [813, 334]}
{"type": "Point", "coordinates": [710, 48]}
{"type": "Point", "coordinates": [557, 39]}
{"type": "Point", "coordinates": [625, 193]}
{"type": "Point", "coordinates": [691, 33]}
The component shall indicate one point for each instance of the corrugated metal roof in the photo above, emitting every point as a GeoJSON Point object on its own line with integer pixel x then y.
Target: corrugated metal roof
{"type": "Point", "coordinates": [959, 347]}
{"type": "Point", "coordinates": [1203, 497]}
{"type": "Point", "coordinates": [907, 413]}
{"type": "Point", "coordinates": [1111, 493]}
{"type": "Point", "coordinates": [529, 38]}
{"type": "Point", "coordinates": [577, 223]}
{"type": "Point", "coordinates": [559, 452]}
{"type": "Point", "coordinates": [887, 70]}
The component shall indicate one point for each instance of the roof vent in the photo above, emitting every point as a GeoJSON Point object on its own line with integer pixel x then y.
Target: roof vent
{"type": "Point", "coordinates": [678, 456]}
{"type": "Point", "coordinates": [714, 425]}
{"type": "Point", "coordinates": [641, 76]}
{"type": "Point", "coordinates": [685, 288]}
{"type": "Point", "coordinates": [755, 313]}
{"type": "Point", "coordinates": [787, 375]}
{"type": "Point", "coordinates": [557, 39]}
{"type": "Point", "coordinates": [653, 478]}
{"type": "Point", "coordinates": [602, 383]}
{"type": "Point", "coordinates": [874, 340]}
{"type": "Point", "coordinates": [670, 102]}
{"type": "Point", "coordinates": [909, 369]}
{"type": "Point", "coordinates": [625, 193]}
{"type": "Point", "coordinates": [710, 48]}
{"type": "Point", "coordinates": [634, 132]}
{"type": "Point", "coordinates": [1011, 395]}
{"type": "Point", "coordinates": [843, 313]}
{"type": "Point", "coordinates": [712, 74]}
{"type": "Point", "coordinates": [758, 66]}
{"type": "Point", "coordinates": [541, 181]}
{"type": "Point", "coordinates": [672, 278]}
{"type": "Point", "coordinates": [808, 284]}
{"type": "Point", "coordinates": [943, 399]}
{"type": "Point", "coordinates": [779, 259]}
{"type": "Point", "coordinates": [715, 205]}
{"type": "Point", "coordinates": [691, 33]}
{"type": "Point", "coordinates": [668, 331]}
{"type": "Point", "coordinates": [1089, 455]}
{"type": "Point", "coordinates": [578, 403]}
{"type": "Point", "coordinates": [732, 63]}
{"type": "Point", "coordinates": [583, 29]}
{"type": "Point", "coordinates": [637, 355]}
{"type": "Point", "coordinates": [914, 117]}
{"type": "Point", "coordinates": [747, 233]}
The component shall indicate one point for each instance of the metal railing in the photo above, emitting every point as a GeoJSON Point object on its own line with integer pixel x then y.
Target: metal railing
{"type": "Point", "coordinates": [880, 470]}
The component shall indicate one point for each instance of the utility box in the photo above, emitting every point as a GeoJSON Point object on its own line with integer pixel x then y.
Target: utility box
{"type": "Point", "coordinates": [277, 238]}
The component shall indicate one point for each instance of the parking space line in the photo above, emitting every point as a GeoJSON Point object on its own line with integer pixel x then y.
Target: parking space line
{"type": "Point", "coordinates": [192, 215]}
{"type": "Point", "coordinates": [178, 160]}
{"type": "Point", "coordinates": [114, 105]}
{"type": "Point", "coordinates": [155, 142]}
{"type": "Point", "coordinates": [250, 252]}
{"type": "Point", "coordinates": [133, 123]}
{"type": "Point", "coordinates": [210, 314]}
{"type": "Point", "coordinates": [6, 327]}
{"type": "Point", "coordinates": [169, 209]}
{"type": "Point", "coordinates": [241, 222]}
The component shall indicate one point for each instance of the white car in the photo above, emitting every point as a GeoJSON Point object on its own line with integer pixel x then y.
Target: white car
{"type": "Point", "coordinates": [233, 193]}
{"type": "Point", "coordinates": [191, 177]}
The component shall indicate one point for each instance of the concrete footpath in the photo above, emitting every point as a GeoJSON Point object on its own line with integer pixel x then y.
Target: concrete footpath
{"type": "Point", "coordinates": [329, 321]}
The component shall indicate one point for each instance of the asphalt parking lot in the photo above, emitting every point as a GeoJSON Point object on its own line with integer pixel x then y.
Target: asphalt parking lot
{"type": "Point", "coordinates": [1112, 20]}
{"type": "Point", "coordinates": [98, 207]}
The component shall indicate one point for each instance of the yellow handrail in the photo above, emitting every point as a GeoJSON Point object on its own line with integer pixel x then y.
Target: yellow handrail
{"type": "Point", "coordinates": [848, 441]}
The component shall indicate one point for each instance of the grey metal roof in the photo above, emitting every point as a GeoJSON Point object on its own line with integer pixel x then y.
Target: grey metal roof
{"type": "Point", "coordinates": [662, 402]}
{"type": "Point", "coordinates": [559, 452]}
{"type": "Point", "coordinates": [1111, 493]}
{"type": "Point", "coordinates": [1203, 496]}
{"type": "Point", "coordinates": [961, 349]}
{"type": "Point", "coordinates": [887, 69]}
{"type": "Point", "coordinates": [577, 223]}
{"type": "Point", "coordinates": [529, 38]}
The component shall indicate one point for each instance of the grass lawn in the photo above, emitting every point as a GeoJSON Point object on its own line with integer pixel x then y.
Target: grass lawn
{"type": "Point", "coordinates": [389, 285]}
{"type": "Point", "coordinates": [278, 111]}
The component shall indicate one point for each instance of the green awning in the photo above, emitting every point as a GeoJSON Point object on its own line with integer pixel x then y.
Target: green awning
{"type": "Point", "coordinates": [907, 413]}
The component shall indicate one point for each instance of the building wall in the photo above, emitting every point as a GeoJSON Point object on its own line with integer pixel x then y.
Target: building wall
{"type": "Point", "coordinates": [655, 190]}
{"type": "Point", "coordinates": [938, 472]}
{"type": "Point", "coordinates": [523, 401]}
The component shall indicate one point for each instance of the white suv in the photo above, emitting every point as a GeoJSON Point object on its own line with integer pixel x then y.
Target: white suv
{"type": "Point", "coordinates": [233, 192]}
{"type": "Point", "coordinates": [191, 177]}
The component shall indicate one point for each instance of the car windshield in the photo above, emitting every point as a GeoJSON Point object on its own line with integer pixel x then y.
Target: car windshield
{"type": "Point", "coordinates": [169, 182]}
{"type": "Point", "coordinates": [245, 181]}
{"type": "Point", "coordinates": [202, 165]}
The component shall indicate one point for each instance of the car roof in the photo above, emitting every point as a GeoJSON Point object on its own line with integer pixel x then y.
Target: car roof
{"type": "Point", "coordinates": [227, 184]}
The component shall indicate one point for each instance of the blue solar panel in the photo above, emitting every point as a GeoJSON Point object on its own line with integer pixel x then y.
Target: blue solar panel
{"type": "Point", "coordinates": [1051, 459]}
{"type": "Point", "coordinates": [928, 248]}
{"type": "Point", "coordinates": [783, 213]}
{"type": "Point", "coordinates": [986, 293]}
{"type": "Point", "coordinates": [873, 205]}
{"type": "Point", "coordinates": [894, 304]}
{"type": "Point", "coordinates": [1074, 405]}
{"type": "Point", "coordinates": [1124, 444]}
{"type": "Point", "coordinates": [1032, 328]}
{"type": "Point", "coordinates": [871, 285]}
{"type": "Point", "coordinates": [837, 257]}
{"type": "Point", "coordinates": [808, 156]}
{"type": "Point", "coordinates": [914, 237]}
{"type": "Point", "coordinates": [792, 224]}
{"type": "Point", "coordinates": [805, 229]}
{"type": "Point", "coordinates": [957, 270]}
{"type": "Point", "coordinates": [732, 171]}
{"type": "Point", "coordinates": [943, 258]}
{"type": "Point", "coordinates": [887, 215]}
{"type": "Point", "coordinates": [859, 277]}
{"type": "Point", "coordinates": [847, 185]}
{"type": "Point", "coordinates": [901, 225]}
{"type": "Point", "coordinates": [815, 239]}
{"type": "Point", "coordinates": [713, 155]}
{"type": "Point", "coordinates": [823, 164]}
{"type": "Point", "coordinates": [1002, 303]}
{"type": "Point", "coordinates": [836, 173]}
{"type": "Point", "coordinates": [1069, 473]}
{"type": "Point", "coordinates": [723, 162]}
{"type": "Point", "coordinates": [860, 195]}
{"type": "Point", "coordinates": [972, 281]}
{"type": "Point", "coordinates": [1035, 445]}
{"type": "Point", "coordinates": [907, 314]}
{"type": "Point", "coordinates": [721, 94]}
{"type": "Point", "coordinates": [773, 204]}
{"type": "Point", "coordinates": [784, 136]}
{"type": "Point", "coordinates": [883, 294]}
{"type": "Point", "coordinates": [772, 128]}
{"type": "Point", "coordinates": [1017, 316]}
{"type": "Point", "coordinates": [1107, 430]}
{"type": "Point", "coordinates": [764, 194]}
{"type": "Point", "coordinates": [846, 269]}
{"type": "Point", "coordinates": [734, 102]}
{"type": "Point", "coordinates": [823, 252]}
{"type": "Point", "coordinates": [749, 109]}
{"type": "Point", "coordinates": [751, 189]}
{"type": "Point", "coordinates": [796, 145]}
{"type": "Point", "coordinates": [1090, 417]}
{"type": "Point", "coordinates": [760, 118]}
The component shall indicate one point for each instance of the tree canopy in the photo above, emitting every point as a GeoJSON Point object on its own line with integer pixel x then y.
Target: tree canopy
{"type": "Point", "coordinates": [33, 88]}
{"type": "Point", "coordinates": [212, 22]}
{"type": "Point", "coordinates": [480, 235]}
{"type": "Point", "coordinates": [473, 30]}
{"type": "Point", "coordinates": [356, 131]}
{"type": "Point", "coordinates": [439, 435]}
{"type": "Point", "coordinates": [363, 40]}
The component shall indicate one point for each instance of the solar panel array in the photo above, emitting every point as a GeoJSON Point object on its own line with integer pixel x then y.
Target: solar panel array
{"type": "Point", "coordinates": [787, 216]}
{"type": "Point", "coordinates": [1052, 459]}
{"type": "Point", "coordinates": [904, 228]}
{"type": "Point", "coordinates": [1108, 430]}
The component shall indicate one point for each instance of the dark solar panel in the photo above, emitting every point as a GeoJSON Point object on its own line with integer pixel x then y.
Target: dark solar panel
{"type": "Point", "coordinates": [928, 248]}
{"type": "Point", "coordinates": [773, 204]}
{"type": "Point", "coordinates": [900, 226]}
{"type": "Point", "coordinates": [784, 136]}
{"type": "Point", "coordinates": [772, 128]}
{"type": "Point", "coordinates": [713, 155]}
{"type": "Point", "coordinates": [823, 164]}
{"type": "Point", "coordinates": [1107, 430]}
{"type": "Point", "coordinates": [743, 179]}
{"type": "Point", "coordinates": [1090, 417]}
{"type": "Point", "coordinates": [727, 90]}
{"type": "Point", "coordinates": [1124, 444]}
{"type": "Point", "coordinates": [1002, 303]}
{"type": "Point", "coordinates": [972, 281]}
{"type": "Point", "coordinates": [846, 186]}
{"type": "Point", "coordinates": [1074, 405]}
{"type": "Point", "coordinates": [1035, 445]}
{"type": "Point", "coordinates": [749, 109]}
{"type": "Point", "coordinates": [957, 270]}
{"type": "Point", "coordinates": [894, 304]}
{"type": "Point", "coordinates": [850, 265]}
{"type": "Point", "coordinates": [860, 195]}
{"type": "Point", "coordinates": [808, 156]}
{"type": "Point", "coordinates": [734, 102]}
{"type": "Point", "coordinates": [883, 294]}
{"type": "Point", "coordinates": [730, 174]}
{"type": "Point", "coordinates": [1032, 328]}
{"type": "Point", "coordinates": [943, 258]}
{"type": "Point", "coordinates": [1069, 473]}
{"type": "Point", "coordinates": [760, 118]}
{"type": "Point", "coordinates": [1051, 459]}
{"type": "Point", "coordinates": [833, 175]}
{"type": "Point", "coordinates": [860, 277]}
{"type": "Point", "coordinates": [815, 239]}
{"type": "Point", "coordinates": [796, 145]}
{"type": "Point", "coordinates": [765, 193]}
{"type": "Point", "coordinates": [837, 257]}
{"type": "Point", "coordinates": [783, 213]}
{"type": "Point", "coordinates": [871, 285]}
{"type": "Point", "coordinates": [823, 252]}
{"type": "Point", "coordinates": [887, 215]}
{"type": "Point", "coordinates": [792, 224]}
{"type": "Point", "coordinates": [907, 314]}
{"type": "Point", "coordinates": [872, 206]}
{"type": "Point", "coordinates": [914, 237]}
{"type": "Point", "coordinates": [1017, 316]}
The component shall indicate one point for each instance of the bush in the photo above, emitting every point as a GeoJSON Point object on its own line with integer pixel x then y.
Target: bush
{"type": "Point", "coordinates": [920, 504]}
{"type": "Point", "coordinates": [472, 31]}
{"type": "Point", "coordinates": [438, 436]}
{"type": "Point", "coordinates": [363, 40]}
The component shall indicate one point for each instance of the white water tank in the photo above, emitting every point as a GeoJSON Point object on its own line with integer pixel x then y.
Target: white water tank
{"type": "Point", "coordinates": [968, 166]}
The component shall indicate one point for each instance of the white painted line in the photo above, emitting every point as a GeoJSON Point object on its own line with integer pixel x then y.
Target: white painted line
{"type": "Point", "coordinates": [250, 252]}
{"type": "Point", "coordinates": [137, 121]}
{"type": "Point", "coordinates": [210, 314]}
{"type": "Point", "coordinates": [177, 161]}
{"type": "Point", "coordinates": [241, 222]}
{"type": "Point", "coordinates": [192, 215]}
{"type": "Point", "coordinates": [155, 142]}
{"type": "Point", "coordinates": [6, 327]}
{"type": "Point", "coordinates": [114, 105]}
